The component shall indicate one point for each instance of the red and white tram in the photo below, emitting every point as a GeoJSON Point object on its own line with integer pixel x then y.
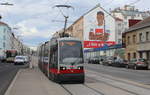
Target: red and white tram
{"type": "Point", "coordinates": [61, 59]}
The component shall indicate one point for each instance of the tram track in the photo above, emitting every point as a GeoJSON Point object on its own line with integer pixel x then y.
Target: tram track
{"type": "Point", "coordinates": [122, 81]}
{"type": "Point", "coordinates": [66, 89]}
{"type": "Point", "coordinates": [115, 87]}
{"type": "Point", "coordinates": [125, 75]}
{"type": "Point", "coordinates": [79, 89]}
{"type": "Point", "coordinates": [80, 92]}
{"type": "Point", "coordinates": [94, 89]}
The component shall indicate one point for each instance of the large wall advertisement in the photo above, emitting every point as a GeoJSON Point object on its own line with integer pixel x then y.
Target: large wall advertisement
{"type": "Point", "coordinates": [99, 29]}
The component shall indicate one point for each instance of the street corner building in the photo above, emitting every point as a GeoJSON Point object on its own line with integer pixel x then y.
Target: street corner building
{"type": "Point", "coordinates": [5, 39]}
{"type": "Point", "coordinates": [9, 43]}
{"type": "Point", "coordinates": [137, 40]}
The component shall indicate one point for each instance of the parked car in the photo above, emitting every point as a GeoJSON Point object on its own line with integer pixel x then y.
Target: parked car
{"type": "Point", "coordinates": [19, 60]}
{"type": "Point", "coordinates": [95, 60]}
{"type": "Point", "coordinates": [89, 60]}
{"type": "Point", "coordinates": [120, 63]}
{"type": "Point", "coordinates": [138, 63]}
{"type": "Point", "coordinates": [2, 59]}
{"type": "Point", "coordinates": [108, 60]}
{"type": "Point", "coordinates": [101, 59]}
{"type": "Point", "coordinates": [26, 59]}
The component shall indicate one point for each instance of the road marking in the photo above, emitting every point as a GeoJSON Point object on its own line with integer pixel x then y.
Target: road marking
{"type": "Point", "coordinates": [12, 83]}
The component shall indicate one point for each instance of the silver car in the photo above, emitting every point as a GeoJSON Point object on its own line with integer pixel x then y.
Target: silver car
{"type": "Point", "coordinates": [19, 60]}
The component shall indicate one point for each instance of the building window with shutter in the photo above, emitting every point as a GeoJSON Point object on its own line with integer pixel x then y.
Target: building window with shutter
{"type": "Point", "coordinates": [128, 41]}
{"type": "Point", "coordinates": [4, 45]}
{"type": "Point", "coordinates": [134, 39]}
{"type": "Point", "coordinates": [147, 36]}
{"type": "Point", "coordinates": [140, 37]}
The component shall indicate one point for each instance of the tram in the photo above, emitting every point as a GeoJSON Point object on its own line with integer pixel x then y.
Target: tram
{"type": "Point", "coordinates": [61, 59]}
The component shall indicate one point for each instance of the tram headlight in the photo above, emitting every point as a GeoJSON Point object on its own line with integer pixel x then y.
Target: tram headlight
{"type": "Point", "coordinates": [63, 68]}
{"type": "Point", "coordinates": [80, 67]}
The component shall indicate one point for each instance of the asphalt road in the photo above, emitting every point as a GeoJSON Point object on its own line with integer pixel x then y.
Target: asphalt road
{"type": "Point", "coordinates": [99, 80]}
{"type": "Point", "coordinates": [7, 73]}
{"type": "Point", "coordinates": [140, 76]}
{"type": "Point", "coordinates": [107, 80]}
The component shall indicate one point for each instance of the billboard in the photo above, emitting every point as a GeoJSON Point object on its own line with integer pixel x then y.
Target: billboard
{"type": "Point", "coordinates": [99, 28]}
{"type": "Point", "coordinates": [97, 44]}
{"type": "Point", "coordinates": [133, 22]}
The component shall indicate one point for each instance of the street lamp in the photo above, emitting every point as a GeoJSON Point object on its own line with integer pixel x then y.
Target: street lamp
{"type": "Point", "coordinates": [6, 4]}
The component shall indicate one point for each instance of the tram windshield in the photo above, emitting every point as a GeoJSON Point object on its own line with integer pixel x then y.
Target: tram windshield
{"type": "Point", "coordinates": [71, 52]}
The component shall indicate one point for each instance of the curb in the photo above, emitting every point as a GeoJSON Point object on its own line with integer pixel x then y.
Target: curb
{"type": "Point", "coordinates": [12, 83]}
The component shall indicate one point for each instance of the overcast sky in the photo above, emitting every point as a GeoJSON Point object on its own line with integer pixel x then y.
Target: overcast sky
{"type": "Point", "coordinates": [34, 18]}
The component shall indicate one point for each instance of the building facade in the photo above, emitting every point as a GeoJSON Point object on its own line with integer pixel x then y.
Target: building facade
{"type": "Point", "coordinates": [5, 38]}
{"type": "Point", "coordinates": [131, 45]}
{"type": "Point", "coordinates": [8, 41]}
{"type": "Point", "coordinates": [129, 16]}
{"type": "Point", "coordinates": [99, 28]}
{"type": "Point", "coordinates": [95, 28]}
{"type": "Point", "coordinates": [137, 40]}
{"type": "Point", "coordinates": [118, 30]}
{"type": "Point", "coordinates": [77, 30]}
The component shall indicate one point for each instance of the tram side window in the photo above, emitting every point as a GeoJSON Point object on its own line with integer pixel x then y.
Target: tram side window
{"type": "Point", "coordinates": [53, 56]}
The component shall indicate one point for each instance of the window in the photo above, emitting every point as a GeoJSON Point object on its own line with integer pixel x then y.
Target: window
{"type": "Point", "coordinates": [54, 56]}
{"type": "Point", "coordinates": [148, 55]}
{"type": "Point", "coordinates": [4, 45]}
{"type": "Point", "coordinates": [119, 24]}
{"type": "Point", "coordinates": [4, 31]}
{"type": "Point", "coordinates": [134, 39]}
{"type": "Point", "coordinates": [119, 32]}
{"type": "Point", "coordinates": [141, 54]}
{"type": "Point", "coordinates": [4, 37]}
{"type": "Point", "coordinates": [147, 36]}
{"type": "Point", "coordinates": [119, 41]}
{"type": "Point", "coordinates": [128, 56]}
{"type": "Point", "coordinates": [134, 55]}
{"type": "Point", "coordinates": [140, 37]}
{"type": "Point", "coordinates": [128, 40]}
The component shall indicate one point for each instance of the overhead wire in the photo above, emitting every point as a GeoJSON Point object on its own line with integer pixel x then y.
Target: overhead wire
{"type": "Point", "coordinates": [135, 2]}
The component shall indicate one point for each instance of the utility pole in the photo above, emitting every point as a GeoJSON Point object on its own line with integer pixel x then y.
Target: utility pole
{"type": "Point", "coordinates": [65, 16]}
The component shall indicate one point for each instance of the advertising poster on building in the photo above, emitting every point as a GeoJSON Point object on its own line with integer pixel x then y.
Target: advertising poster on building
{"type": "Point", "coordinates": [98, 29]}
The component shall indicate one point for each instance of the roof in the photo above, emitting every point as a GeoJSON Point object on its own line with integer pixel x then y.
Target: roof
{"type": "Point", "coordinates": [98, 5]}
{"type": "Point", "coordinates": [2, 23]}
{"type": "Point", "coordinates": [118, 19]}
{"type": "Point", "coordinates": [142, 24]}
{"type": "Point", "coordinates": [81, 17]}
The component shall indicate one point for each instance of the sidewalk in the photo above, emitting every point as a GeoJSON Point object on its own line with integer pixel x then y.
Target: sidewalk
{"type": "Point", "coordinates": [33, 82]}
